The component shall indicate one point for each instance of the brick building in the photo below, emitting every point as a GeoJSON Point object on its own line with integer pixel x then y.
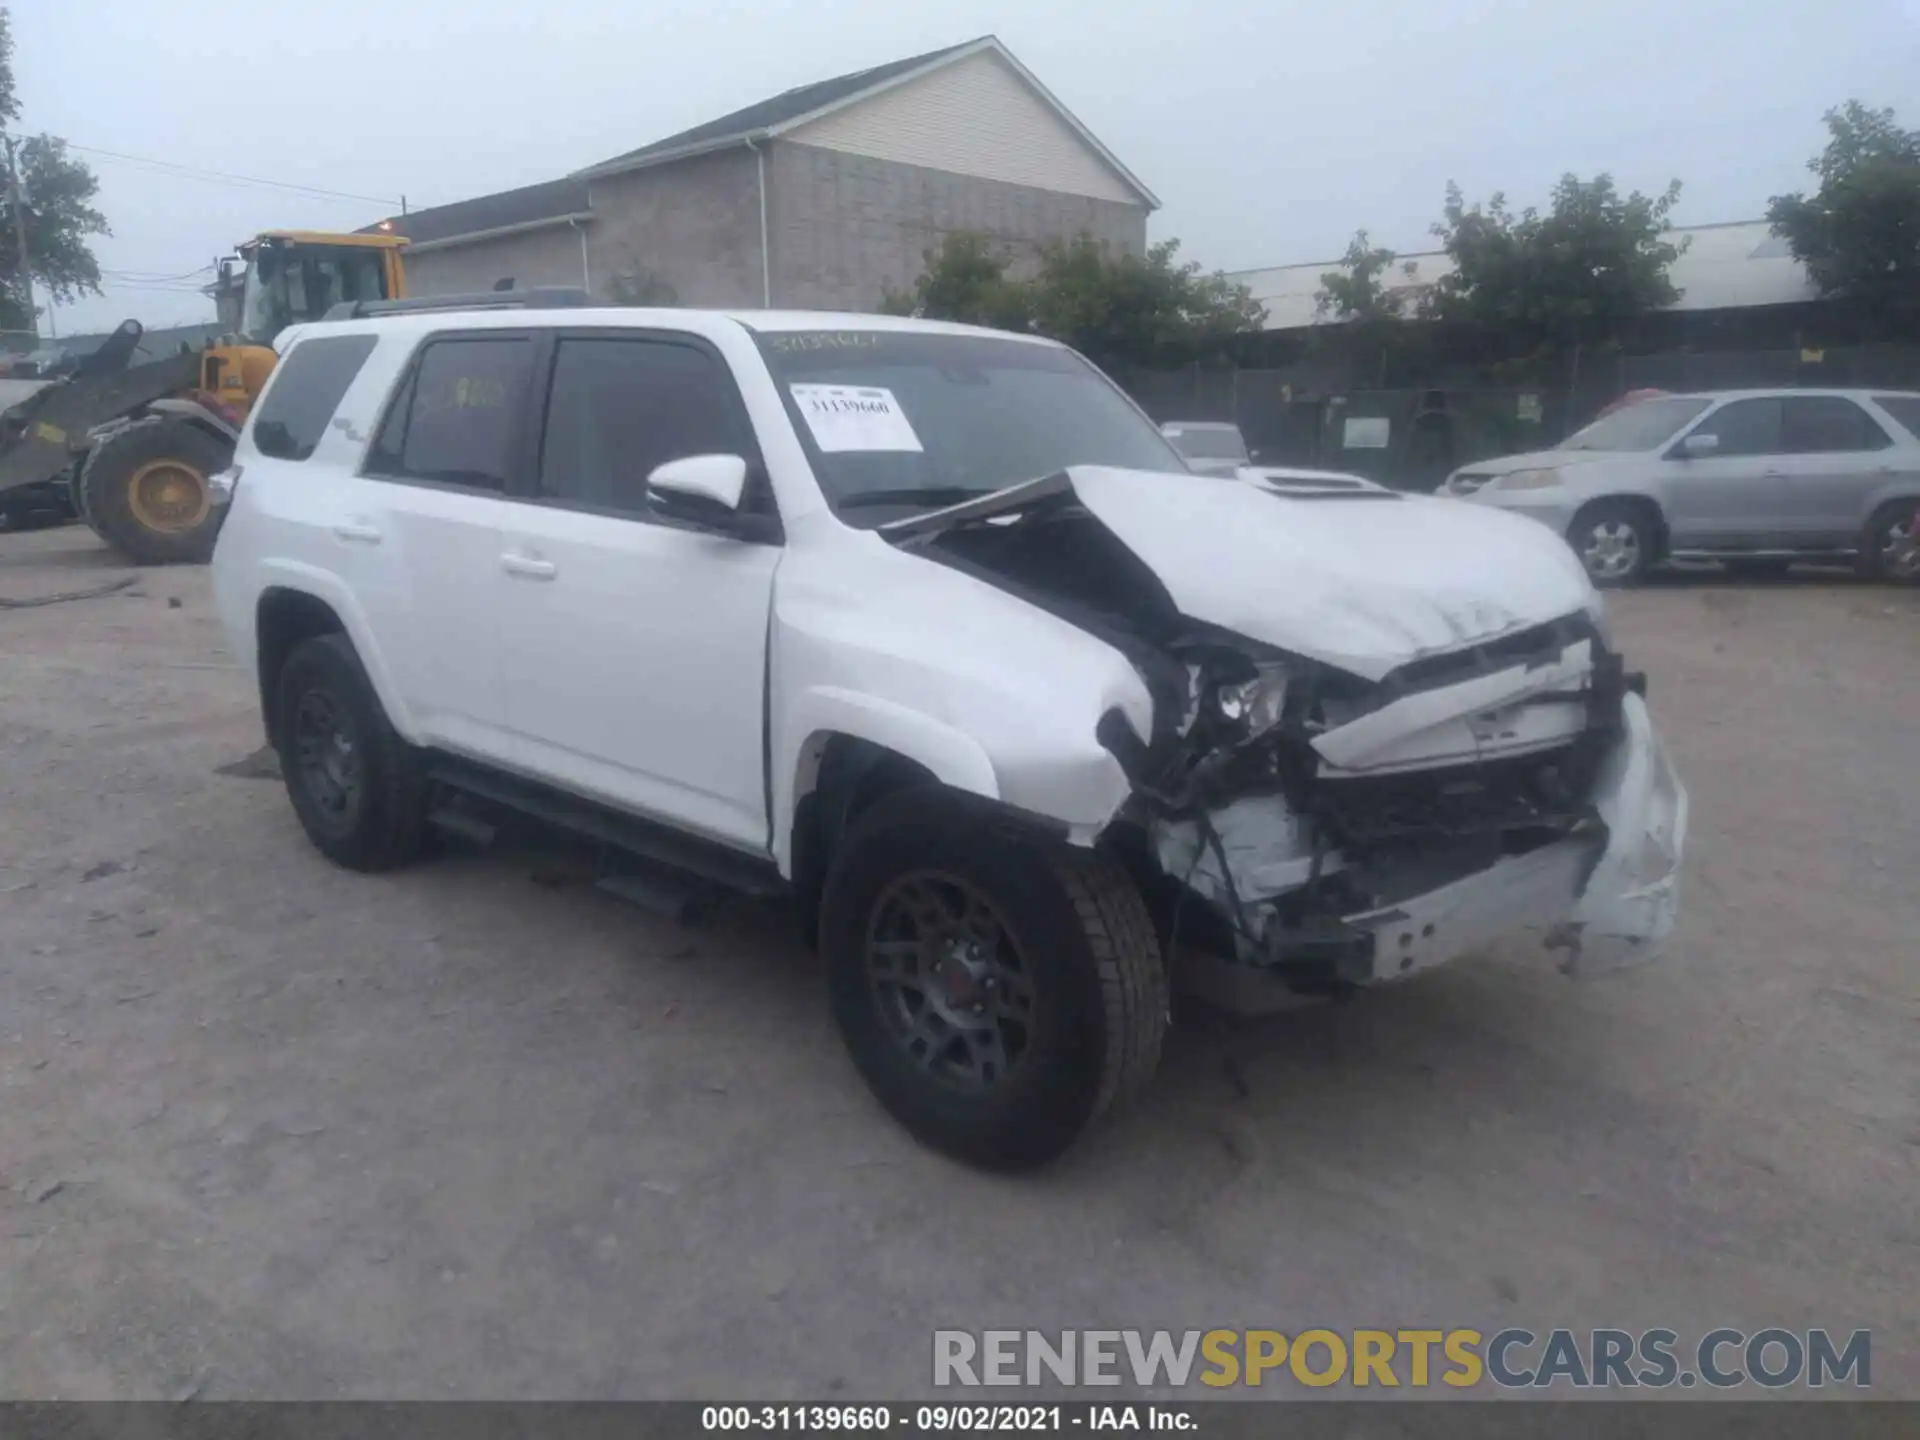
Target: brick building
{"type": "Point", "coordinates": [819, 198]}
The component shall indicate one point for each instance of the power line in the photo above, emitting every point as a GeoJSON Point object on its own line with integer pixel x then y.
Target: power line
{"type": "Point", "coordinates": [222, 176]}
{"type": "Point", "coordinates": [151, 275]}
{"type": "Point", "coordinates": [112, 284]}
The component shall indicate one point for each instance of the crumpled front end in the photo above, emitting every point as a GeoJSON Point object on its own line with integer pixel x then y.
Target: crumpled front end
{"type": "Point", "coordinates": [1315, 833]}
{"type": "Point", "coordinates": [1367, 754]}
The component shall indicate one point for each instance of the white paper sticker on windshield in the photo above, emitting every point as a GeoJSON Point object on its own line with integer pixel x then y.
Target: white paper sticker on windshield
{"type": "Point", "coordinates": [855, 417]}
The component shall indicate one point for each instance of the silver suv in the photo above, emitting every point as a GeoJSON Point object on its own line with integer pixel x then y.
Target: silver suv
{"type": "Point", "coordinates": [1754, 478]}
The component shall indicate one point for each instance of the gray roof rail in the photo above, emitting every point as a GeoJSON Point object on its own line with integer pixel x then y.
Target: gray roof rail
{"type": "Point", "coordinates": [554, 297]}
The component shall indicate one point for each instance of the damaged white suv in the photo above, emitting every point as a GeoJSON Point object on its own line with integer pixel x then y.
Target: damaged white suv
{"type": "Point", "coordinates": [930, 628]}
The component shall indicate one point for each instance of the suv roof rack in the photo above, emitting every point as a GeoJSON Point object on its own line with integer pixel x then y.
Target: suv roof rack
{"type": "Point", "coordinates": [554, 297]}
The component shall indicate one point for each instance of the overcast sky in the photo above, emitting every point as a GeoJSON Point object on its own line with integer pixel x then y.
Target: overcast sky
{"type": "Point", "coordinates": [1270, 129]}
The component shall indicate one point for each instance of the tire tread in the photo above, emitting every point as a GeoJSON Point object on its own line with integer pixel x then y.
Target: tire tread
{"type": "Point", "coordinates": [393, 830]}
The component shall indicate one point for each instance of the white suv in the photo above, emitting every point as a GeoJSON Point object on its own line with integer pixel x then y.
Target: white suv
{"type": "Point", "coordinates": [929, 627]}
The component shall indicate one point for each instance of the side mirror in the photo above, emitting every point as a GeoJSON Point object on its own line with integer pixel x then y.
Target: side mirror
{"type": "Point", "coordinates": [701, 489]}
{"type": "Point", "coordinates": [1698, 446]}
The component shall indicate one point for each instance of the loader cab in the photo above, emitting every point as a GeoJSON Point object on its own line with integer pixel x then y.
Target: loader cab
{"type": "Point", "coordinates": [291, 276]}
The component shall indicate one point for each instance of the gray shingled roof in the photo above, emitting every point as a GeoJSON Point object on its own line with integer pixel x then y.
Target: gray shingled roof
{"type": "Point", "coordinates": [549, 200]}
{"type": "Point", "coordinates": [790, 105]}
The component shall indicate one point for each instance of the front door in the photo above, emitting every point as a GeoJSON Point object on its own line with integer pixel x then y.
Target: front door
{"type": "Point", "coordinates": [634, 648]}
{"type": "Point", "coordinates": [1724, 500]}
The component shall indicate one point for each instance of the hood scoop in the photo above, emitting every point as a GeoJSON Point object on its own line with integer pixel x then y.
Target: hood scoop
{"type": "Point", "coordinates": [1315, 485]}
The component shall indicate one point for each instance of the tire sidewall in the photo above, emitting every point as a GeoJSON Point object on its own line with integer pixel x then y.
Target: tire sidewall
{"type": "Point", "coordinates": [1037, 1110]}
{"type": "Point", "coordinates": [108, 470]}
{"type": "Point", "coordinates": [365, 839]}
{"type": "Point", "coordinates": [1588, 520]}
{"type": "Point", "coordinates": [1873, 543]}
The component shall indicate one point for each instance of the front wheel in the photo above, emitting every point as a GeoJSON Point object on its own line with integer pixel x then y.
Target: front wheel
{"type": "Point", "coordinates": [1615, 542]}
{"type": "Point", "coordinates": [1890, 548]}
{"type": "Point", "coordinates": [999, 991]}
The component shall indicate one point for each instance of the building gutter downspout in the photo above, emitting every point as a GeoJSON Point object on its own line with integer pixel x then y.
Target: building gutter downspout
{"type": "Point", "coordinates": [586, 276]}
{"type": "Point", "coordinates": [766, 260]}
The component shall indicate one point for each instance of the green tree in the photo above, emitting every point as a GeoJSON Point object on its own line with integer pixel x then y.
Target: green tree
{"type": "Point", "coordinates": [1120, 309]}
{"type": "Point", "coordinates": [1358, 290]}
{"type": "Point", "coordinates": [1581, 271]}
{"type": "Point", "coordinates": [1115, 307]}
{"type": "Point", "coordinates": [1859, 233]}
{"type": "Point", "coordinates": [57, 209]}
{"type": "Point", "coordinates": [966, 280]}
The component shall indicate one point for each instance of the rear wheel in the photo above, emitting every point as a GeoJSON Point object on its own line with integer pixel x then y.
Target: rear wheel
{"type": "Point", "coordinates": [999, 991]}
{"type": "Point", "coordinates": [1615, 540]}
{"type": "Point", "coordinates": [144, 490]}
{"type": "Point", "coordinates": [1890, 548]}
{"type": "Point", "coordinates": [357, 787]}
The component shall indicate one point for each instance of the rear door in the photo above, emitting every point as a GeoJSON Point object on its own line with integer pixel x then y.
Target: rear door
{"type": "Point", "coordinates": [1838, 456]}
{"type": "Point", "coordinates": [451, 444]}
{"type": "Point", "coordinates": [634, 645]}
{"type": "Point", "coordinates": [1735, 498]}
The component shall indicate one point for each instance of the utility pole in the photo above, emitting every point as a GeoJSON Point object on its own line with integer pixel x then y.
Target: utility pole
{"type": "Point", "coordinates": [18, 193]}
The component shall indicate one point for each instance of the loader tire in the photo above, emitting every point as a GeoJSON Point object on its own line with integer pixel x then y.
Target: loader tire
{"type": "Point", "coordinates": [144, 490]}
{"type": "Point", "coordinates": [77, 494]}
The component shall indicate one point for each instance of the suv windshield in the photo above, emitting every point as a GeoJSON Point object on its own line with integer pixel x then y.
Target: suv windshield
{"type": "Point", "coordinates": [899, 418]}
{"type": "Point", "coordinates": [1641, 426]}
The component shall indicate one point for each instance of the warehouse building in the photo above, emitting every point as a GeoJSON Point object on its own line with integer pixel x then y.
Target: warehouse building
{"type": "Point", "coordinates": [819, 198]}
{"type": "Point", "coordinates": [1732, 267]}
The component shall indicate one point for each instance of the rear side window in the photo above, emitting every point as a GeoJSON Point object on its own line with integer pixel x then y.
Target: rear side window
{"type": "Point", "coordinates": [306, 390]}
{"type": "Point", "coordinates": [1827, 425]}
{"type": "Point", "coordinates": [621, 407]}
{"type": "Point", "coordinates": [457, 420]}
{"type": "Point", "coordinates": [1904, 408]}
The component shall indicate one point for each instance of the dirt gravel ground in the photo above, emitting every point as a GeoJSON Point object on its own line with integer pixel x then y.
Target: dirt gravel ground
{"type": "Point", "coordinates": [269, 1129]}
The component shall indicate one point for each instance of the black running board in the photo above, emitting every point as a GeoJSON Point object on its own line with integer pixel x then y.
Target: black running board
{"type": "Point", "coordinates": [643, 839]}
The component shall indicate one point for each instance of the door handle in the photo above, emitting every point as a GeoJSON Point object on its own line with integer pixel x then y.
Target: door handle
{"type": "Point", "coordinates": [358, 531]}
{"type": "Point", "coordinates": [528, 567]}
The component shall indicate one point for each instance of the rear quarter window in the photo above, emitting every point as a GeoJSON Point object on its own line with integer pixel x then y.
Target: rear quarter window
{"type": "Point", "coordinates": [307, 387]}
{"type": "Point", "coordinates": [1904, 408]}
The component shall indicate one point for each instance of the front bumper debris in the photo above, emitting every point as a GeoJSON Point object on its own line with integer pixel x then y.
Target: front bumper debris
{"type": "Point", "coordinates": [1605, 909]}
{"type": "Point", "coordinates": [1607, 898]}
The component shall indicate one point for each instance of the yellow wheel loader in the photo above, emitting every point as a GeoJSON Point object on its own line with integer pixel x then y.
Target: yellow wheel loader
{"type": "Point", "coordinates": [129, 448]}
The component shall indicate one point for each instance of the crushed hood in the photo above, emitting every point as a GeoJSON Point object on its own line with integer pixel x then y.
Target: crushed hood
{"type": "Point", "coordinates": [1362, 583]}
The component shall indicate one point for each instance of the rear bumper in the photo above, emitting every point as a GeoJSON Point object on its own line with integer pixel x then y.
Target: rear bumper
{"type": "Point", "coordinates": [1606, 900]}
